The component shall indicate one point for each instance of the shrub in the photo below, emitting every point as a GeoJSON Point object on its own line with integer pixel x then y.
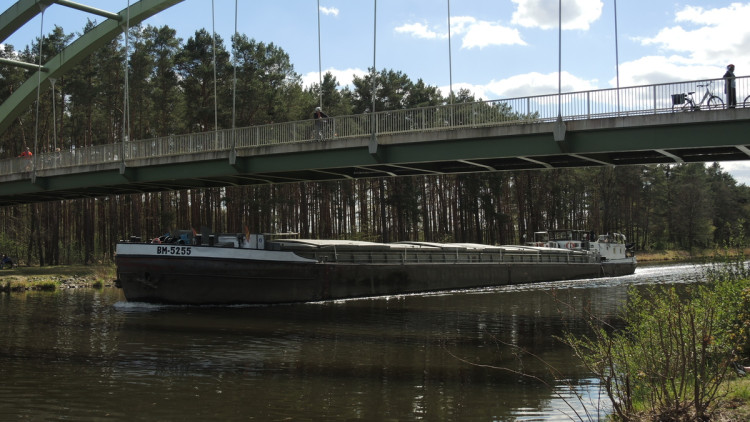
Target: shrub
{"type": "Point", "coordinates": [676, 347]}
{"type": "Point", "coordinates": [670, 358]}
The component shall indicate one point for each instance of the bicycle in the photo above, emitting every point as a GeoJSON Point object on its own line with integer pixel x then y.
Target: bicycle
{"type": "Point", "coordinates": [685, 102]}
{"type": "Point", "coordinates": [324, 129]}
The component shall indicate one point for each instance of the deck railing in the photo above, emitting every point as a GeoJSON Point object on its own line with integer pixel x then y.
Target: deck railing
{"type": "Point", "coordinates": [627, 101]}
{"type": "Point", "coordinates": [447, 257]}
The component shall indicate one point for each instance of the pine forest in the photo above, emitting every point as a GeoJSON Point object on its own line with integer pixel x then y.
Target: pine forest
{"type": "Point", "coordinates": [171, 91]}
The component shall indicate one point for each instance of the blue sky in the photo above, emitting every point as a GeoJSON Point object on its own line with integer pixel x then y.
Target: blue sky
{"type": "Point", "coordinates": [499, 48]}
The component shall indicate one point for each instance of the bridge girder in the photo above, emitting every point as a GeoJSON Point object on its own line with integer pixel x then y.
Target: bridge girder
{"type": "Point", "coordinates": [18, 14]}
{"type": "Point", "coordinates": [24, 10]}
{"type": "Point", "coordinates": [668, 138]}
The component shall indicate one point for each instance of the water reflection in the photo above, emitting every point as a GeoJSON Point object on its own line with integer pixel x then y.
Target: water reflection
{"type": "Point", "coordinates": [472, 355]}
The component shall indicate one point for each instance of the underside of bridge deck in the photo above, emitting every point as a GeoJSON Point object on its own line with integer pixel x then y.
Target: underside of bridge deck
{"type": "Point", "coordinates": [623, 141]}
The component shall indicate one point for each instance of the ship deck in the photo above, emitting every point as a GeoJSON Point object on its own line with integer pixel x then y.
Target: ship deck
{"type": "Point", "coordinates": [360, 252]}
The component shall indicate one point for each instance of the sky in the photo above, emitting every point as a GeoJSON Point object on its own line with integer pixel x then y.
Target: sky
{"type": "Point", "coordinates": [495, 48]}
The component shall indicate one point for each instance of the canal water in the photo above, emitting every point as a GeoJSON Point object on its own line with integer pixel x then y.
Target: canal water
{"type": "Point", "coordinates": [478, 355]}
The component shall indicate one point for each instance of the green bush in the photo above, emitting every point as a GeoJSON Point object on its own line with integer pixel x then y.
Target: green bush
{"type": "Point", "coordinates": [676, 347]}
{"type": "Point", "coordinates": [669, 360]}
{"type": "Point", "coordinates": [730, 279]}
{"type": "Point", "coordinates": [739, 332]}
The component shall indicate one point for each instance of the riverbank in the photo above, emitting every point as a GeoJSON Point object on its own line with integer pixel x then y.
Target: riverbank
{"type": "Point", "coordinates": [50, 278]}
{"type": "Point", "coordinates": [686, 256]}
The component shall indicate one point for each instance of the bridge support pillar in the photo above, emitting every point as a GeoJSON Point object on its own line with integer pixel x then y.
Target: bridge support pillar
{"type": "Point", "coordinates": [558, 134]}
{"type": "Point", "coordinates": [373, 147]}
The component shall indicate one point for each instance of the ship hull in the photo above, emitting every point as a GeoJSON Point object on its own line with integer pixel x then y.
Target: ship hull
{"type": "Point", "coordinates": [273, 278]}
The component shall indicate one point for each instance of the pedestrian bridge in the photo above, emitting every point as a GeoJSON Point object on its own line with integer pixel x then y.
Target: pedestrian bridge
{"type": "Point", "coordinates": [610, 127]}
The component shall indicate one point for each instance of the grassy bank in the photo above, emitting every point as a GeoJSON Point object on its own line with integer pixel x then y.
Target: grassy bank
{"type": "Point", "coordinates": [56, 277]}
{"type": "Point", "coordinates": [685, 256]}
{"type": "Point", "coordinates": [736, 406]}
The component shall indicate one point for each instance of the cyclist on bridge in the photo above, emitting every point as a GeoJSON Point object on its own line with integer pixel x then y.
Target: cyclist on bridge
{"type": "Point", "coordinates": [320, 120]}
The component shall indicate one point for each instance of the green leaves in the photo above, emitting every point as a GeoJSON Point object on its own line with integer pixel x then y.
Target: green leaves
{"type": "Point", "coordinates": [673, 351]}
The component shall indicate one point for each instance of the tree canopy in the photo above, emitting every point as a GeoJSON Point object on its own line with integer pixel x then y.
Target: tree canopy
{"type": "Point", "coordinates": [174, 88]}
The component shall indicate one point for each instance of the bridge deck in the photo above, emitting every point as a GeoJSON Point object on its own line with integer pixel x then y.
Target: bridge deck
{"type": "Point", "coordinates": [514, 134]}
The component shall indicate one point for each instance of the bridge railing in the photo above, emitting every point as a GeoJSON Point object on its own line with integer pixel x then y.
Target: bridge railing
{"type": "Point", "coordinates": [626, 101]}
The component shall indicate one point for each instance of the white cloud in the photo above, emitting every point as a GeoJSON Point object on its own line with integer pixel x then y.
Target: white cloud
{"type": "Point", "coordinates": [479, 91]}
{"type": "Point", "coordinates": [472, 32]}
{"type": "Point", "coordinates": [525, 85]}
{"type": "Point", "coordinates": [483, 33]}
{"type": "Point", "coordinates": [710, 36]}
{"type": "Point", "coordinates": [461, 24]}
{"type": "Point", "coordinates": [663, 69]}
{"type": "Point", "coordinates": [535, 83]}
{"type": "Point", "coordinates": [419, 30]}
{"type": "Point", "coordinates": [343, 76]}
{"type": "Point", "coordinates": [545, 14]}
{"type": "Point", "coordinates": [700, 46]}
{"type": "Point", "coordinates": [329, 11]}
{"type": "Point", "coordinates": [740, 170]}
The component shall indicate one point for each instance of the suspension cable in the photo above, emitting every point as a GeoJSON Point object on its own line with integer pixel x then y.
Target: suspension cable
{"type": "Point", "coordinates": [38, 88]}
{"type": "Point", "coordinates": [320, 64]}
{"type": "Point", "coordinates": [450, 56]}
{"type": "Point", "coordinates": [373, 147]}
{"type": "Point", "coordinates": [559, 59]}
{"type": "Point", "coordinates": [234, 80]}
{"type": "Point", "coordinates": [617, 62]}
{"type": "Point", "coordinates": [374, 50]}
{"type": "Point", "coordinates": [216, 99]}
{"type": "Point", "coordinates": [126, 88]}
{"type": "Point", "coordinates": [54, 115]}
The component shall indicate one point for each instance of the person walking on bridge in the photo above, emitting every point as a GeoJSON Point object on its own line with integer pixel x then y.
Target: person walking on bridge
{"type": "Point", "coordinates": [26, 154]}
{"type": "Point", "coordinates": [320, 123]}
{"type": "Point", "coordinates": [729, 87]}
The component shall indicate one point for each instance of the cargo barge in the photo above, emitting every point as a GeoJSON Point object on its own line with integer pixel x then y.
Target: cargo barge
{"type": "Point", "coordinates": [251, 269]}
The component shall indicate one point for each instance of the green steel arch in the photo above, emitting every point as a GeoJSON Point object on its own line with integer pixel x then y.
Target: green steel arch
{"type": "Point", "coordinates": [24, 10]}
{"type": "Point", "coordinates": [18, 14]}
